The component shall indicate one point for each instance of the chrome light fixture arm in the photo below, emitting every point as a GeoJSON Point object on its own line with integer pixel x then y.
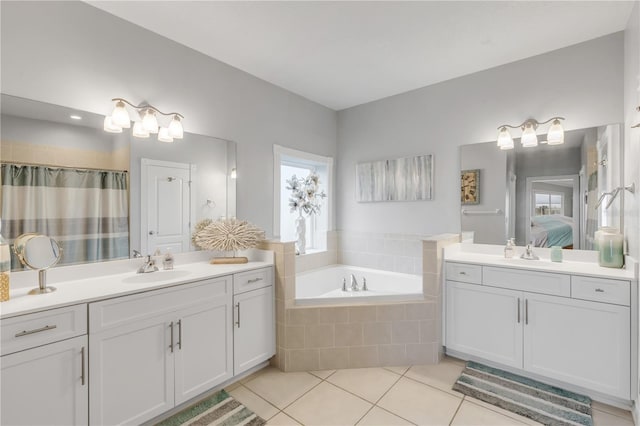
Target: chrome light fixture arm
{"type": "Point", "coordinates": [147, 106]}
{"type": "Point", "coordinates": [535, 123]}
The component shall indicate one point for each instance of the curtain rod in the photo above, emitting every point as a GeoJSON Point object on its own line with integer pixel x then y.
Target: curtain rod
{"type": "Point", "coordinates": [18, 163]}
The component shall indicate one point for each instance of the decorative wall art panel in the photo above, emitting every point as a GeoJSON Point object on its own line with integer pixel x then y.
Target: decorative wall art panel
{"type": "Point", "coordinates": [400, 179]}
{"type": "Point", "coordinates": [470, 187]}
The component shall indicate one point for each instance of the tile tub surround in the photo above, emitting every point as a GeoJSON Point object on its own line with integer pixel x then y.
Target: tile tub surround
{"type": "Point", "coordinates": [390, 252]}
{"type": "Point", "coordinates": [317, 260]}
{"type": "Point", "coordinates": [314, 338]}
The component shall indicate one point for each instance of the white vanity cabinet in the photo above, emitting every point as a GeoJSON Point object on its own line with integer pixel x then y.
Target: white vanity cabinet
{"type": "Point", "coordinates": [152, 351]}
{"type": "Point", "coordinates": [254, 339]}
{"type": "Point", "coordinates": [44, 378]}
{"type": "Point", "coordinates": [568, 328]}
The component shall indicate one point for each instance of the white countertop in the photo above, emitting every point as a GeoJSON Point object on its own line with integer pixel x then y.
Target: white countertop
{"type": "Point", "coordinates": [107, 285]}
{"type": "Point", "coordinates": [578, 262]}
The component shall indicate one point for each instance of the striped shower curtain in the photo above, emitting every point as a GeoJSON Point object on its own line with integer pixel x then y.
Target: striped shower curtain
{"type": "Point", "coordinates": [86, 211]}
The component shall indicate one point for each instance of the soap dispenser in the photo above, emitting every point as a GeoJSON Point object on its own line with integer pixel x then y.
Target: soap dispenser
{"type": "Point", "coordinates": [510, 249]}
{"type": "Point", "coordinates": [167, 262]}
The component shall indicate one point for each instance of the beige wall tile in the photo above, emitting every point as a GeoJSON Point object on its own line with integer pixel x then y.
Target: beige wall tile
{"type": "Point", "coordinates": [303, 360]}
{"type": "Point", "coordinates": [333, 358]}
{"type": "Point", "coordinates": [429, 331]}
{"type": "Point", "coordinates": [375, 333]}
{"type": "Point", "coordinates": [405, 332]}
{"type": "Point", "coordinates": [418, 311]}
{"type": "Point", "coordinates": [390, 312]}
{"type": "Point", "coordinates": [302, 316]}
{"type": "Point", "coordinates": [289, 287]}
{"type": "Point", "coordinates": [430, 261]}
{"type": "Point", "coordinates": [422, 353]}
{"type": "Point", "coordinates": [363, 356]}
{"type": "Point", "coordinates": [280, 312]}
{"type": "Point", "coordinates": [348, 334]}
{"type": "Point", "coordinates": [319, 336]}
{"type": "Point", "coordinates": [362, 314]}
{"type": "Point", "coordinates": [431, 284]}
{"type": "Point", "coordinates": [391, 355]}
{"type": "Point", "coordinates": [280, 334]}
{"type": "Point", "coordinates": [333, 315]}
{"type": "Point", "coordinates": [294, 337]}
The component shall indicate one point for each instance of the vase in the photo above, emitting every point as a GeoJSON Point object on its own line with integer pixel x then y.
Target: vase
{"type": "Point", "coordinates": [301, 234]}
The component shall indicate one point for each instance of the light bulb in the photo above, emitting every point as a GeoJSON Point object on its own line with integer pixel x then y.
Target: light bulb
{"type": "Point", "coordinates": [163, 135]}
{"type": "Point", "coordinates": [109, 127]}
{"type": "Point", "coordinates": [150, 122]}
{"type": "Point", "coordinates": [175, 128]}
{"type": "Point", "coordinates": [505, 141]}
{"type": "Point", "coordinates": [529, 137]}
{"type": "Point", "coordinates": [139, 131]}
{"type": "Point", "coordinates": [234, 173]}
{"type": "Point", "coordinates": [120, 116]}
{"type": "Point", "coordinates": [556, 133]}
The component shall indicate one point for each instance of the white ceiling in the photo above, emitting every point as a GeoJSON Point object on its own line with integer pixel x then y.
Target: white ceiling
{"type": "Point", "coordinates": [342, 54]}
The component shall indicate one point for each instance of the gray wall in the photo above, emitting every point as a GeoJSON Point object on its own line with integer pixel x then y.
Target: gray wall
{"type": "Point", "coordinates": [583, 83]}
{"type": "Point", "coordinates": [492, 163]}
{"type": "Point", "coordinates": [72, 54]}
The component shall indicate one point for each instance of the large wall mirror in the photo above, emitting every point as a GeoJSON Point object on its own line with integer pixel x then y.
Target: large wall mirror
{"type": "Point", "coordinates": [550, 195]}
{"type": "Point", "coordinates": [102, 195]}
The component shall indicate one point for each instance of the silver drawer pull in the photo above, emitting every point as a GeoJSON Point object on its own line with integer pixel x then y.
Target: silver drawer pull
{"type": "Point", "coordinates": [463, 273]}
{"type": "Point", "coordinates": [37, 330]}
{"type": "Point", "coordinates": [254, 280]}
{"type": "Point", "coordinates": [599, 290]}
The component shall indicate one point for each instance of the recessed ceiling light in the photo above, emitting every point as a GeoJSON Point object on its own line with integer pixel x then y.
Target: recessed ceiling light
{"type": "Point", "coordinates": [75, 117]}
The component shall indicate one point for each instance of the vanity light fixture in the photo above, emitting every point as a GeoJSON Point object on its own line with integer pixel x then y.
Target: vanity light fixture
{"type": "Point", "coordinates": [75, 117]}
{"type": "Point", "coordinates": [147, 124]}
{"type": "Point", "coordinates": [555, 135]}
{"type": "Point", "coordinates": [234, 173]}
{"type": "Point", "coordinates": [635, 126]}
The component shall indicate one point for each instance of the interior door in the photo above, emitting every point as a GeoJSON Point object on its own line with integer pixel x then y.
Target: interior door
{"type": "Point", "coordinates": [166, 194]}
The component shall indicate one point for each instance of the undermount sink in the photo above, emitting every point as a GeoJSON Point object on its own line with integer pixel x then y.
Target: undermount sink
{"type": "Point", "coordinates": [156, 276]}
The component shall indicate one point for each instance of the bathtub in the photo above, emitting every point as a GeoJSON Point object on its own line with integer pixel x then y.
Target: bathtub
{"type": "Point", "coordinates": [323, 286]}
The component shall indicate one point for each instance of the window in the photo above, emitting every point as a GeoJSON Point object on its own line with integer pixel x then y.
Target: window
{"type": "Point", "coordinates": [548, 203]}
{"type": "Point", "coordinates": [289, 162]}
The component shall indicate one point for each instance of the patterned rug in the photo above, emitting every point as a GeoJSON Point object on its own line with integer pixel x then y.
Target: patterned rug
{"type": "Point", "coordinates": [529, 398]}
{"type": "Point", "coordinates": [219, 409]}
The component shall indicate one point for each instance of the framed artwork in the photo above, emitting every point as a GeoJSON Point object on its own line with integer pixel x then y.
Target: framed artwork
{"type": "Point", "coordinates": [470, 187]}
{"type": "Point", "coordinates": [397, 179]}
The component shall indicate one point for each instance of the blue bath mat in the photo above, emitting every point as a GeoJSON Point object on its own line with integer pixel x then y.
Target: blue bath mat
{"type": "Point", "coordinates": [543, 403]}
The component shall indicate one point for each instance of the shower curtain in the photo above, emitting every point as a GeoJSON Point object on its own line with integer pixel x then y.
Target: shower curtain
{"type": "Point", "coordinates": [86, 211]}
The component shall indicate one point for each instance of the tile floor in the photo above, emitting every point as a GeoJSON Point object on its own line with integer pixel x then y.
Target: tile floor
{"type": "Point", "coordinates": [420, 394]}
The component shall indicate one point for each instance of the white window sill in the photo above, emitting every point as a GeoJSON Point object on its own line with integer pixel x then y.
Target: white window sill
{"type": "Point", "coordinates": [313, 251]}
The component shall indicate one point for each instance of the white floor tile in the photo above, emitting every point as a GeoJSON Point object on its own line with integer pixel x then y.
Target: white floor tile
{"type": "Point", "coordinates": [279, 388]}
{"type": "Point", "coordinates": [322, 374]}
{"type": "Point", "coordinates": [367, 383]}
{"type": "Point", "coordinates": [281, 419]}
{"type": "Point", "coordinates": [419, 403]}
{"type": "Point", "coordinates": [328, 405]}
{"type": "Point", "coordinates": [474, 415]}
{"type": "Point", "coordinates": [379, 417]}
{"type": "Point", "coordinates": [441, 376]}
{"type": "Point", "coordinates": [254, 403]}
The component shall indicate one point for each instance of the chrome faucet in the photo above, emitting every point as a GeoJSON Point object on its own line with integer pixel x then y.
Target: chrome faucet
{"type": "Point", "coordinates": [364, 284]}
{"type": "Point", "coordinates": [344, 284]}
{"type": "Point", "coordinates": [149, 265]}
{"type": "Point", "coordinates": [137, 254]}
{"type": "Point", "coordinates": [528, 253]}
{"type": "Point", "coordinates": [354, 283]}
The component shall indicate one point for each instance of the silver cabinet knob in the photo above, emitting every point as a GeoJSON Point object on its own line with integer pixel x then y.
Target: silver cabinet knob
{"type": "Point", "coordinates": [151, 232]}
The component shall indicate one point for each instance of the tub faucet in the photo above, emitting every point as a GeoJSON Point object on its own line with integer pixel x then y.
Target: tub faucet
{"type": "Point", "coordinates": [364, 284]}
{"type": "Point", "coordinates": [354, 283]}
{"type": "Point", "coordinates": [344, 284]}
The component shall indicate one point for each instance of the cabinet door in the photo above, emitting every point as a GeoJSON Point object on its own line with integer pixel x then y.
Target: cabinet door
{"type": "Point", "coordinates": [579, 342]}
{"type": "Point", "coordinates": [46, 385]}
{"type": "Point", "coordinates": [254, 339]}
{"type": "Point", "coordinates": [204, 344]}
{"type": "Point", "coordinates": [131, 372]}
{"type": "Point", "coordinates": [484, 322]}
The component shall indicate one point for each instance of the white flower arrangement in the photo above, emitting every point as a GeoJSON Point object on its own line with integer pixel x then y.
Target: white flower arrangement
{"type": "Point", "coordinates": [305, 197]}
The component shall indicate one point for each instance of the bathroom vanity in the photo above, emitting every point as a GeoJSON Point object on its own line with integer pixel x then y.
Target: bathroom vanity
{"type": "Point", "coordinates": [568, 324]}
{"type": "Point", "coordinates": [126, 347]}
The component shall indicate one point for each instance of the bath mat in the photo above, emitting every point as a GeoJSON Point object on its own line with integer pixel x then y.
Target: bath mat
{"type": "Point", "coordinates": [529, 398]}
{"type": "Point", "coordinates": [219, 409]}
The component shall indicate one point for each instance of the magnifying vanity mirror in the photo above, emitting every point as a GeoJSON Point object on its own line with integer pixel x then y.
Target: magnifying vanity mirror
{"type": "Point", "coordinates": [38, 252]}
{"type": "Point", "coordinates": [99, 194]}
{"type": "Point", "coordinates": [549, 195]}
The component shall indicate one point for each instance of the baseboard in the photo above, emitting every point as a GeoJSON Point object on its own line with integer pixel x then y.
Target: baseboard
{"type": "Point", "coordinates": [635, 413]}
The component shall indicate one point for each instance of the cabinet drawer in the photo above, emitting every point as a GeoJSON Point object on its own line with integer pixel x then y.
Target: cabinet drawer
{"type": "Point", "coordinates": [252, 280]}
{"type": "Point", "coordinates": [28, 331]}
{"type": "Point", "coordinates": [535, 282]}
{"type": "Point", "coordinates": [126, 309]}
{"type": "Point", "coordinates": [601, 290]}
{"type": "Point", "coordinates": [463, 272]}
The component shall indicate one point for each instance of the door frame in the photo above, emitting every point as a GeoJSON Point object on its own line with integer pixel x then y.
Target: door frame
{"type": "Point", "coordinates": [144, 193]}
